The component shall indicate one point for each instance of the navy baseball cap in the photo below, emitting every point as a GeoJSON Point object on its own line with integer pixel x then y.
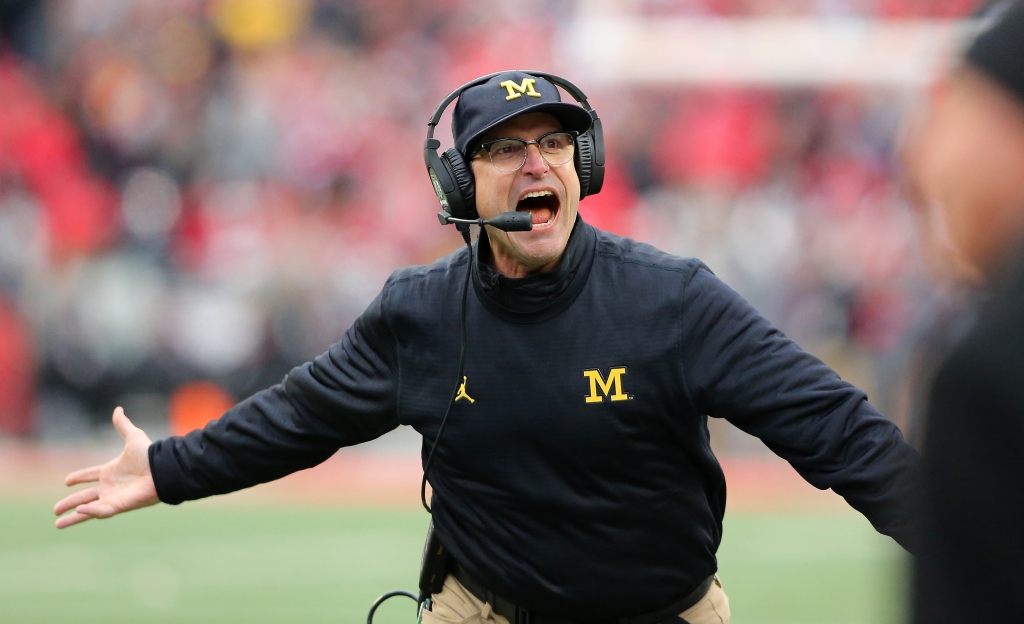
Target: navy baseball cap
{"type": "Point", "coordinates": [999, 49]}
{"type": "Point", "coordinates": [504, 96]}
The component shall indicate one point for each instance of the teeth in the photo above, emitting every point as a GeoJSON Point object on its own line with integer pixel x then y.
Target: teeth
{"type": "Point", "coordinates": [537, 194]}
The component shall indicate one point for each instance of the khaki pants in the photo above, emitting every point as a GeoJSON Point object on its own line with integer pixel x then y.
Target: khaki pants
{"type": "Point", "coordinates": [455, 605]}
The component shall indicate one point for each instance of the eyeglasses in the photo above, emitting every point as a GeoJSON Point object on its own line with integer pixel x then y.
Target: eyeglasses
{"type": "Point", "coordinates": [556, 148]}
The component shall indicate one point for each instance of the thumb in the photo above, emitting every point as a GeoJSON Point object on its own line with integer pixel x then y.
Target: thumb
{"type": "Point", "coordinates": [122, 424]}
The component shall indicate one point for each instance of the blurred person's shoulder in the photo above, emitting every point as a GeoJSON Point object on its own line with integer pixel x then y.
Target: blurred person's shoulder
{"type": "Point", "coordinates": [985, 364]}
{"type": "Point", "coordinates": [999, 325]}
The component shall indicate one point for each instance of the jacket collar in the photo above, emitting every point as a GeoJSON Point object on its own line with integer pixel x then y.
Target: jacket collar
{"type": "Point", "coordinates": [535, 298]}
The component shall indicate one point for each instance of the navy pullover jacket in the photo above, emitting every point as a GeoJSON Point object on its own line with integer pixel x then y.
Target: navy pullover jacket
{"type": "Point", "coordinates": [579, 481]}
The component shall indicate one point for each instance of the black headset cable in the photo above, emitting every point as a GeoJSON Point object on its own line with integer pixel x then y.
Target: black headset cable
{"type": "Point", "coordinates": [464, 230]}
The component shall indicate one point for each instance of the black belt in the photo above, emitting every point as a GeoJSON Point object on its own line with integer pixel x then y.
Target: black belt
{"type": "Point", "coordinates": [520, 615]}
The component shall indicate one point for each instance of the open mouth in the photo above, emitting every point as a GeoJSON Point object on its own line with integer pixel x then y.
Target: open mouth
{"type": "Point", "coordinates": [542, 205]}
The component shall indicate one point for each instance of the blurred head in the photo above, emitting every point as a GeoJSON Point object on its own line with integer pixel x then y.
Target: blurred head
{"type": "Point", "coordinates": [517, 105]}
{"type": "Point", "coordinates": [964, 157]}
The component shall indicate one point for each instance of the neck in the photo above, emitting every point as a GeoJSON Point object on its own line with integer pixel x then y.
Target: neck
{"type": "Point", "coordinates": [505, 261]}
{"type": "Point", "coordinates": [515, 268]}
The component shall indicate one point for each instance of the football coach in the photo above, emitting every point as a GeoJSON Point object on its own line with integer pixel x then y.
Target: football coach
{"type": "Point", "coordinates": [572, 373]}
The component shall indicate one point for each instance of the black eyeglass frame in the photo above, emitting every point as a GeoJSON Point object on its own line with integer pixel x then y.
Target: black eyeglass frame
{"type": "Point", "coordinates": [486, 147]}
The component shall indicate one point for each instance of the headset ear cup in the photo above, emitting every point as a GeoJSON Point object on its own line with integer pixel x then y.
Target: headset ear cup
{"type": "Point", "coordinates": [463, 181]}
{"type": "Point", "coordinates": [584, 162]}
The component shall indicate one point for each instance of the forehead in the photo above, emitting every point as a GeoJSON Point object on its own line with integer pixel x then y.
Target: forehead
{"type": "Point", "coordinates": [525, 126]}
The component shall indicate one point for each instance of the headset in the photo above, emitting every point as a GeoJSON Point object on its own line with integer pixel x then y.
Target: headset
{"type": "Point", "coordinates": [452, 177]}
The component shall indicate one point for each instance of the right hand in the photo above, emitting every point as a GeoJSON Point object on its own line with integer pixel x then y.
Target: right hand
{"type": "Point", "coordinates": [125, 483]}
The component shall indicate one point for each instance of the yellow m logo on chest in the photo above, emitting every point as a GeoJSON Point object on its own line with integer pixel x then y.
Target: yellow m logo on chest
{"type": "Point", "coordinates": [601, 387]}
{"type": "Point", "coordinates": [517, 90]}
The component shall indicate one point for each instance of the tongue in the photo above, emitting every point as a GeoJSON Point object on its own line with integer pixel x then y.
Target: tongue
{"type": "Point", "coordinates": [540, 215]}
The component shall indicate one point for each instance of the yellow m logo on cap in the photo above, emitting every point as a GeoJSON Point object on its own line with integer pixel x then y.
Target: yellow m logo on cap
{"type": "Point", "coordinates": [598, 382]}
{"type": "Point", "coordinates": [517, 90]}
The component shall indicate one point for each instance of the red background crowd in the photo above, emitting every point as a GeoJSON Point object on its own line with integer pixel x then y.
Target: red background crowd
{"type": "Point", "coordinates": [197, 195]}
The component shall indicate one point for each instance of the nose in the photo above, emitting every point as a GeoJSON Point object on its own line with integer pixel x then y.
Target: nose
{"type": "Point", "coordinates": [535, 164]}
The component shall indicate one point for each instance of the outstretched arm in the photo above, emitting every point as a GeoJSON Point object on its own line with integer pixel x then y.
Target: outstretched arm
{"type": "Point", "coordinates": [125, 482]}
{"type": "Point", "coordinates": [743, 369]}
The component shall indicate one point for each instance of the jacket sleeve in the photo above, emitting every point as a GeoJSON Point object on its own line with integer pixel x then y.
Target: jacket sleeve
{"type": "Point", "coordinates": [738, 367]}
{"type": "Point", "coordinates": [343, 397]}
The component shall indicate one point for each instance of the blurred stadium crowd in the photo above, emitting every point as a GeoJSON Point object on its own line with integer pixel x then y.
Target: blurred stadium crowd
{"type": "Point", "coordinates": [197, 195]}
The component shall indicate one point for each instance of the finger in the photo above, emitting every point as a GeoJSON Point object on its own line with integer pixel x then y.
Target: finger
{"type": "Point", "coordinates": [74, 500]}
{"type": "Point", "coordinates": [122, 424]}
{"type": "Point", "coordinates": [96, 509]}
{"type": "Point", "coordinates": [72, 518]}
{"type": "Point", "coordinates": [85, 475]}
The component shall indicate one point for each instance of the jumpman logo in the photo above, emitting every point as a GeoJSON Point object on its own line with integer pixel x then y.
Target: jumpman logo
{"type": "Point", "coordinates": [462, 393]}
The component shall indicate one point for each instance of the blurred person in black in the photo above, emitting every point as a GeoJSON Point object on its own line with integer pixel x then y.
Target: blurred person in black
{"type": "Point", "coordinates": [576, 482]}
{"type": "Point", "coordinates": [965, 160]}
{"type": "Point", "coordinates": [22, 27]}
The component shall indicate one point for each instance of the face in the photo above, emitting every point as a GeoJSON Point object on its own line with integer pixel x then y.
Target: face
{"type": "Point", "coordinates": [550, 193]}
{"type": "Point", "coordinates": [964, 157]}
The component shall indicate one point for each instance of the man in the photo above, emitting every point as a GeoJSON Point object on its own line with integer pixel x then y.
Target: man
{"type": "Point", "coordinates": [966, 160]}
{"type": "Point", "coordinates": [575, 482]}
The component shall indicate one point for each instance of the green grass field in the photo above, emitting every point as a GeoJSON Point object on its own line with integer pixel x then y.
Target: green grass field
{"type": "Point", "coordinates": [210, 562]}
